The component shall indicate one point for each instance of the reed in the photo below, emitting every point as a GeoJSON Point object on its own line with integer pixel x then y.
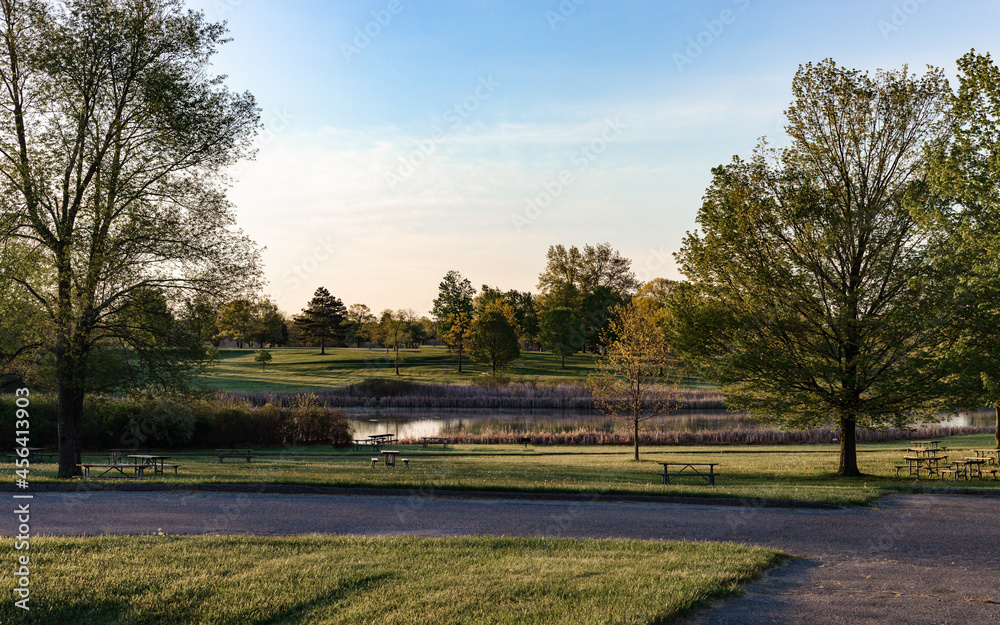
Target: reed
{"type": "Point", "coordinates": [383, 393]}
{"type": "Point", "coordinates": [753, 435]}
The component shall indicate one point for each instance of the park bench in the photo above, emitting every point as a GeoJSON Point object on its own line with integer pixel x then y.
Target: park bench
{"type": "Point", "coordinates": [365, 442]}
{"type": "Point", "coordinates": [406, 463]}
{"type": "Point", "coordinates": [375, 461]}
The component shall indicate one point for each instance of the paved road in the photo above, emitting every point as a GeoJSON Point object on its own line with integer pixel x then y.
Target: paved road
{"type": "Point", "coordinates": [912, 559]}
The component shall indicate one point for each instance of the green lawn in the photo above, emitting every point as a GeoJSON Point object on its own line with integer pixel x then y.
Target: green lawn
{"type": "Point", "coordinates": [244, 580]}
{"type": "Point", "coordinates": [799, 473]}
{"type": "Point", "coordinates": [306, 369]}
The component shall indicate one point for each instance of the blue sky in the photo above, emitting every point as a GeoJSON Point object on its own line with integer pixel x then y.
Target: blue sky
{"type": "Point", "coordinates": [405, 139]}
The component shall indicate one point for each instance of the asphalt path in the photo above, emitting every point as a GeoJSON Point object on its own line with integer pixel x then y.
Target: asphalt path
{"type": "Point", "coordinates": [910, 559]}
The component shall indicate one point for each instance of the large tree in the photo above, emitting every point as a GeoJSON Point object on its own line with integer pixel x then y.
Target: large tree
{"type": "Point", "coordinates": [811, 295]}
{"type": "Point", "coordinates": [965, 175]}
{"type": "Point", "coordinates": [322, 320]}
{"type": "Point", "coordinates": [113, 138]}
{"type": "Point", "coordinates": [590, 282]}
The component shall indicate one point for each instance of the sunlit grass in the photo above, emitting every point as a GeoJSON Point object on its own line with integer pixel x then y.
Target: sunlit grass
{"type": "Point", "coordinates": [323, 579]}
{"type": "Point", "coordinates": [788, 472]}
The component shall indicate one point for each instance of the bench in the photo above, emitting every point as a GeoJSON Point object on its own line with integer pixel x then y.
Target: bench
{"type": "Point", "coordinates": [364, 442]}
{"type": "Point", "coordinates": [375, 462]}
{"type": "Point", "coordinates": [137, 470]}
{"type": "Point", "coordinates": [425, 440]}
{"type": "Point", "coordinates": [943, 472]}
{"type": "Point", "coordinates": [689, 468]}
{"type": "Point", "coordinates": [406, 463]}
{"type": "Point", "coordinates": [234, 453]}
{"type": "Point", "coordinates": [171, 466]}
{"type": "Point", "coordinates": [900, 467]}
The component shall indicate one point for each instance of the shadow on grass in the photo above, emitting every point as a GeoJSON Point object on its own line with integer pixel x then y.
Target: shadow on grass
{"type": "Point", "coordinates": [178, 610]}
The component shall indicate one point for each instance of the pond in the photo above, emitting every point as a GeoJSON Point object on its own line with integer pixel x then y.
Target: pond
{"type": "Point", "coordinates": [416, 422]}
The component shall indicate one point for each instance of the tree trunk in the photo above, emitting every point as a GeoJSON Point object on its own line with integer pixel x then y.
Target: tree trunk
{"type": "Point", "coordinates": [848, 447]}
{"type": "Point", "coordinates": [322, 347]}
{"type": "Point", "coordinates": [459, 360]}
{"type": "Point", "coordinates": [996, 434]}
{"type": "Point", "coordinates": [69, 411]}
{"type": "Point", "coordinates": [564, 361]}
{"type": "Point", "coordinates": [635, 436]}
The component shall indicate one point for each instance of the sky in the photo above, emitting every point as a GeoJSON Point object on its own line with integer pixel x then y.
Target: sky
{"type": "Point", "coordinates": [404, 139]}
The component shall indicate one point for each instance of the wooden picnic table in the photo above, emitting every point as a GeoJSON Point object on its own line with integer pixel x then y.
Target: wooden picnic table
{"type": "Point", "coordinates": [993, 455]}
{"type": "Point", "coordinates": [136, 469]}
{"type": "Point", "coordinates": [689, 468]}
{"type": "Point", "coordinates": [243, 452]}
{"type": "Point", "coordinates": [153, 461]}
{"type": "Point", "coordinates": [931, 463]}
{"type": "Point", "coordinates": [33, 454]}
{"type": "Point", "coordinates": [427, 440]}
{"type": "Point", "coordinates": [119, 453]}
{"type": "Point", "coordinates": [389, 457]}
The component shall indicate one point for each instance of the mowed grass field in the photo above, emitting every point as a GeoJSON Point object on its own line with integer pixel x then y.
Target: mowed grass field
{"type": "Point", "coordinates": [245, 580]}
{"type": "Point", "coordinates": [302, 369]}
{"type": "Point", "coordinates": [785, 472]}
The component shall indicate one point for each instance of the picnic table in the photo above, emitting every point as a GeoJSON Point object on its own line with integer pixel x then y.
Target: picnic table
{"type": "Point", "coordinates": [689, 468]}
{"type": "Point", "coordinates": [429, 440]}
{"type": "Point", "coordinates": [119, 468]}
{"type": "Point", "coordinates": [389, 457]}
{"type": "Point", "coordinates": [152, 461]}
{"type": "Point", "coordinates": [365, 442]}
{"type": "Point", "coordinates": [234, 453]}
{"type": "Point", "coordinates": [993, 455]}
{"type": "Point", "coordinates": [33, 454]}
{"type": "Point", "coordinates": [930, 463]}
{"type": "Point", "coordinates": [118, 454]}
{"type": "Point", "coordinates": [383, 439]}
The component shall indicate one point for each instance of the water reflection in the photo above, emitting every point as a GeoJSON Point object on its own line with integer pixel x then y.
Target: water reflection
{"type": "Point", "coordinates": [436, 422]}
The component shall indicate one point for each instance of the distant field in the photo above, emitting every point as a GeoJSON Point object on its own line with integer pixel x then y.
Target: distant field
{"type": "Point", "coordinates": [305, 369]}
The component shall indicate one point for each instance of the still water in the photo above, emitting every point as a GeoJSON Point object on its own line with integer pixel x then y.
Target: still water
{"type": "Point", "coordinates": [437, 422]}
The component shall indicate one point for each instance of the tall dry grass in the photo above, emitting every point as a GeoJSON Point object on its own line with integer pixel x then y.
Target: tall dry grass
{"type": "Point", "coordinates": [381, 393]}
{"type": "Point", "coordinates": [753, 435]}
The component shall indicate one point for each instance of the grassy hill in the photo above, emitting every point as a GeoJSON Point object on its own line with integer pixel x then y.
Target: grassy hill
{"type": "Point", "coordinates": [305, 369]}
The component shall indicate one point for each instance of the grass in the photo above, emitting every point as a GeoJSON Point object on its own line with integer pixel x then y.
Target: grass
{"type": "Point", "coordinates": [296, 370]}
{"type": "Point", "coordinates": [787, 472]}
{"type": "Point", "coordinates": [330, 579]}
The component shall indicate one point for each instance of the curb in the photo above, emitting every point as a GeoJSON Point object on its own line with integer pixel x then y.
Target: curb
{"type": "Point", "coordinates": [431, 493]}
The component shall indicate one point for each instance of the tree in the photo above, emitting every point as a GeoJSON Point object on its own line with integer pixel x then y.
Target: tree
{"type": "Point", "coordinates": [358, 324]}
{"type": "Point", "coordinates": [394, 332]}
{"type": "Point", "coordinates": [322, 320]}
{"type": "Point", "coordinates": [200, 317]}
{"type": "Point", "coordinates": [238, 321]}
{"type": "Point", "coordinates": [268, 323]}
{"type": "Point", "coordinates": [459, 334]}
{"type": "Point", "coordinates": [965, 174]}
{"type": "Point", "coordinates": [455, 295]}
{"type": "Point", "coordinates": [113, 139]}
{"type": "Point", "coordinates": [561, 332]}
{"type": "Point", "coordinates": [494, 337]}
{"type": "Point", "coordinates": [589, 282]}
{"type": "Point", "coordinates": [811, 296]}
{"type": "Point", "coordinates": [263, 357]}
{"type": "Point", "coordinates": [598, 265]}
{"type": "Point", "coordinates": [627, 383]}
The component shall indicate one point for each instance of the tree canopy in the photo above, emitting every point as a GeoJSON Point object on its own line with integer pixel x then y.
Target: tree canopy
{"type": "Point", "coordinates": [811, 295]}
{"type": "Point", "coordinates": [113, 138]}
